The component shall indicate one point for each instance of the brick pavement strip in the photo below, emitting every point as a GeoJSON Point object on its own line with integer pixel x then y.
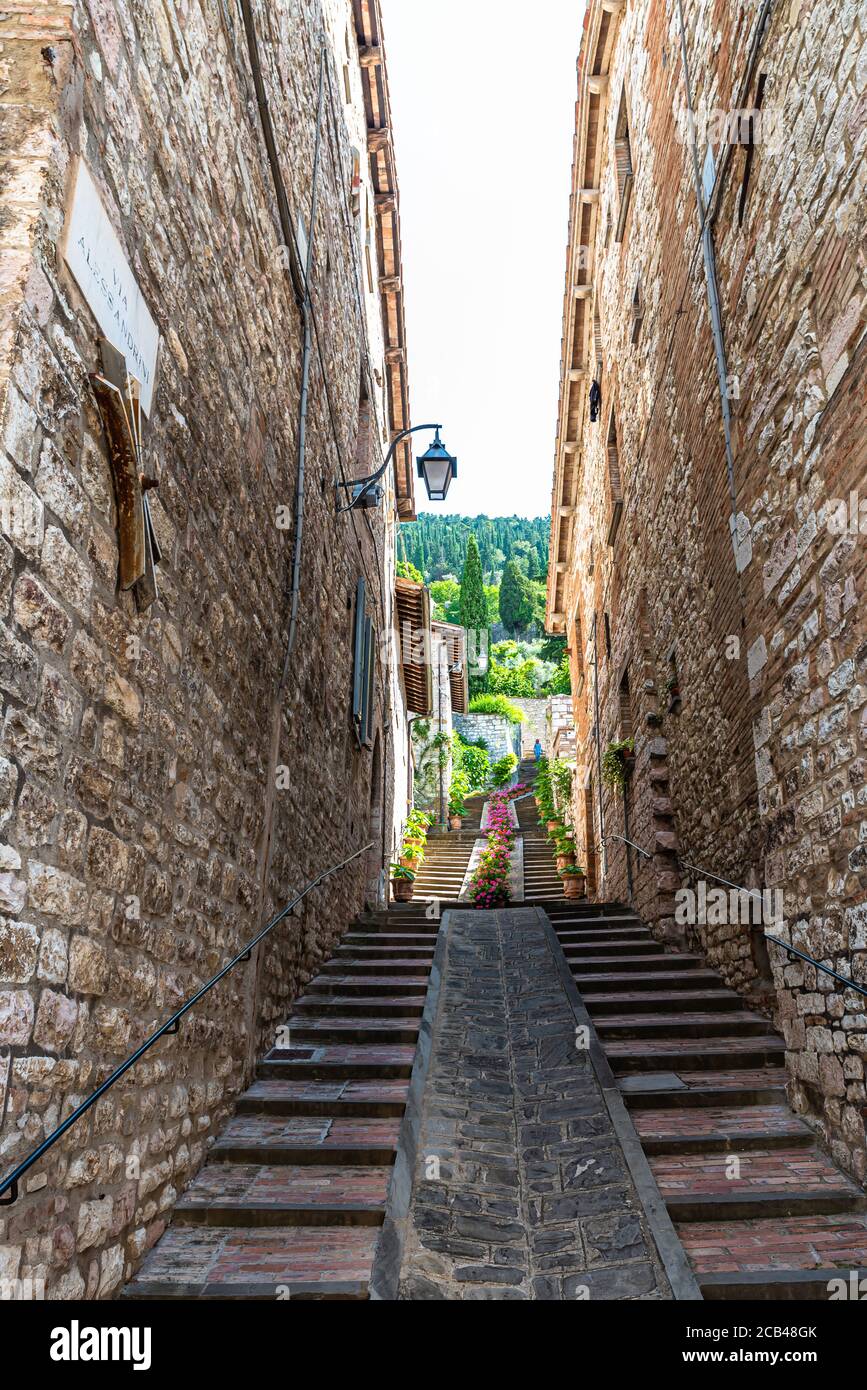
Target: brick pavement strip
{"type": "Point", "coordinates": [521, 1190]}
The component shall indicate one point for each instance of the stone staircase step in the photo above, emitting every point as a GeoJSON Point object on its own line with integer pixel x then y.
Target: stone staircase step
{"type": "Point", "coordinates": [335, 1063]}
{"type": "Point", "coordinates": [756, 1086]}
{"type": "Point", "coordinates": [375, 1099]}
{"type": "Point", "coordinates": [400, 965]}
{"type": "Point", "coordinates": [303, 1029]}
{"type": "Point", "coordinates": [291, 1262]}
{"type": "Point", "coordinates": [650, 1001]}
{"type": "Point", "coordinates": [771, 1182]}
{"type": "Point", "coordinates": [587, 949]}
{"type": "Point", "coordinates": [663, 1054]}
{"type": "Point", "coordinates": [303, 1140]}
{"type": "Point", "coordinates": [376, 1007]}
{"type": "Point", "coordinates": [792, 1258]}
{"type": "Point", "coordinates": [721, 1129]}
{"type": "Point", "coordinates": [410, 986]}
{"type": "Point", "coordinates": [607, 964]}
{"type": "Point", "coordinates": [602, 981]}
{"type": "Point", "coordinates": [241, 1194]}
{"type": "Point", "coordinates": [741, 1023]}
{"type": "Point", "coordinates": [384, 952]}
{"type": "Point", "coordinates": [392, 940]}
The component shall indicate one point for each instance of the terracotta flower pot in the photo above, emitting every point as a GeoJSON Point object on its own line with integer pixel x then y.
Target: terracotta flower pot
{"type": "Point", "coordinates": [455, 822]}
{"type": "Point", "coordinates": [402, 889]}
{"type": "Point", "coordinates": [574, 886]}
{"type": "Point", "coordinates": [552, 825]}
{"type": "Point", "coordinates": [563, 860]}
{"type": "Point", "coordinates": [406, 863]}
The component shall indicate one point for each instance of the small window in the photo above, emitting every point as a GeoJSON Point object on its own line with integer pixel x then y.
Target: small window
{"type": "Point", "coordinates": [626, 725]}
{"type": "Point", "coordinates": [363, 439]}
{"type": "Point", "coordinates": [607, 636]}
{"type": "Point", "coordinates": [614, 483]}
{"type": "Point", "coordinates": [622, 165]}
{"type": "Point", "coordinates": [637, 311]}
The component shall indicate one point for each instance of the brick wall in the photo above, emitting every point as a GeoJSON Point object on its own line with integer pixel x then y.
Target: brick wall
{"type": "Point", "coordinates": [756, 771]}
{"type": "Point", "coordinates": [146, 827]}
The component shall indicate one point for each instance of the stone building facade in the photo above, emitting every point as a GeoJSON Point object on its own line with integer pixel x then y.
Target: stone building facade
{"type": "Point", "coordinates": [173, 774]}
{"type": "Point", "coordinates": [708, 513]}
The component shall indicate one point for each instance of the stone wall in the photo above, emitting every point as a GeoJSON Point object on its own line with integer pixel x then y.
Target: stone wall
{"type": "Point", "coordinates": [161, 795]}
{"type": "Point", "coordinates": [500, 735]}
{"type": "Point", "coordinates": [535, 724]}
{"type": "Point", "coordinates": [729, 575]}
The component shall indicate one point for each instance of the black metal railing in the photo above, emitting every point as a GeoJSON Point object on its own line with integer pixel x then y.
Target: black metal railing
{"type": "Point", "coordinates": [754, 893]}
{"type": "Point", "coordinates": [10, 1184]}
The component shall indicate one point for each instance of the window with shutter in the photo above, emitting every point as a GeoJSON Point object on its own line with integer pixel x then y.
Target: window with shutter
{"type": "Point", "coordinates": [614, 483]}
{"type": "Point", "coordinates": [622, 165]}
{"type": "Point", "coordinates": [358, 667]}
{"type": "Point", "coordinates": [626, 726]}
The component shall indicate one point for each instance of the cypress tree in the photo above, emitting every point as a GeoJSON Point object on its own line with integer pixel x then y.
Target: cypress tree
{"type": "Point", "coordinates": [516, 600]}
{"type": "Point", "coordinates": [474, 615]}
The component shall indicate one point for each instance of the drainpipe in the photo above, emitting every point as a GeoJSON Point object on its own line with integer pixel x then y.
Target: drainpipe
{"type": "Point", "coordinates": [709, 256]}
{"type": "Point", "coordinates": [598, 743]}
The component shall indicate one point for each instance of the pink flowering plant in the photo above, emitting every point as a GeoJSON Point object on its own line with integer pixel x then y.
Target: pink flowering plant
{"type": "Point", "coordinates": [489, 885]}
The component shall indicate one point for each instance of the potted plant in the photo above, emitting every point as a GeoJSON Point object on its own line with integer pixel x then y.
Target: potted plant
{"type": "Point", "coordinates": [411, 855]}
{"type": "Point", "coordinates": [402, 883]}
{"type": "Point", "coordinates": [574, 882]}
{"type": "Point", "coordinates": [565, 851]}
{"type": "Point", "coordinates": [457, 792]}
{"type": "Point", "coordinates": [617, 762]}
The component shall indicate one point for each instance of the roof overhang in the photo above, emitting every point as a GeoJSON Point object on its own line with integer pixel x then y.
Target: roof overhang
{"type": "Point", "coordinates": [380, 148]}
{"type": "Point", "coordinates": [412, 602]}
{"type": "Point", "coordinates": [578, 361]}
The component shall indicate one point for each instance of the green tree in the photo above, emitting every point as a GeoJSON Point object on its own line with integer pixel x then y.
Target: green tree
{"type": "Point", "coordinates": [516, 599]}
{"type": "Point", "coordinates": [407, 570]}
{"type": "Point", "coordinates": [474, 615]}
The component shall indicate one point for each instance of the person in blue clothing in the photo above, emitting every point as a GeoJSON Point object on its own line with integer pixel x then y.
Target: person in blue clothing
{"type": "Point", "coordinates": [537, 750]}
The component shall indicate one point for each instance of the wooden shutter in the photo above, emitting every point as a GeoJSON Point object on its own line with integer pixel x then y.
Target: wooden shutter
{"type": "Point", "coordinates": [358, 668]}
{"type": "Point", "coordinates": [614, 483]}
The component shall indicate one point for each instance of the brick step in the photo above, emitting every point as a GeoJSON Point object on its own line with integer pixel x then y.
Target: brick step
{"type": "Point", "coordinates": [574, 936]}
{"type": "Point", "coordinates": [420, 928]}
{"type": "Point", "coordinates": [659, 999]}
{"type": "Point", "coordinates": [693, 1090]}
{"type": "Point", "coordinates": [373, 1099]}
{"type": "Point", "coordinates": [573, 916]}
{"type": "Point", "coordinates": [608, 948]}
{"type": "Point", "coordinates": [384, 951]}
{"type": "Point", "coordinates": [602, 982]}
{"type": "Point", "coordinates": [351, 965]}
{"type": "Point", "coordinates": [334, 1063]}
{"type": "Point", "coordinates": [379, 1006]}
{"type": "Point", "coordinates": [241, 1194]}
{"type": "Point", "coordinates": [607, 964]}
{"type": "Point", "coordinates": [793, 1258]}
{"type": "Point", "coordinates": [724, 1129]}
{"type": "Point", "coordinates": [390, 939]}
{"type": "Point", "coordinates": [301, 1140]}
{"type": "Point", "coordinates": [356, 1030]}
{"type": "Point", "coordinates": [410, 986]}
{"type": "Point", "coordinates": [662, 1054]}
{"type": "Point", "coordinates": [293, 1262]}
{"type": "Point", "coordinates": [739, 1024]}
{"type": "Point", "coordinates": [772, 1182]}
{"type": "Point", "coordinates": [604, 911]}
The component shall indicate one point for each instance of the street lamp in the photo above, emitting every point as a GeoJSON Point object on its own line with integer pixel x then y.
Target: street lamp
{"type": "Point", "coordinates": [437, 467]}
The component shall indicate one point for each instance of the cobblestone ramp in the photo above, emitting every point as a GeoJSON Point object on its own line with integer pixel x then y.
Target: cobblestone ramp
{"type": "Point", "coordinates": [521, 1188]}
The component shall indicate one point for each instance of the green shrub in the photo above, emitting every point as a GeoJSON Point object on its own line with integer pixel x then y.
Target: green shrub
{"type": "Point", "coordinates": [497, 704]}
{"type": "Point", "coordinates": [501, 772]}
{"type": "Point", "coordinates": [473, 761]}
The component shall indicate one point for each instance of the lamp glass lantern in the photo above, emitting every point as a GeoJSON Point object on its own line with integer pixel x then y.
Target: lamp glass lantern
{"type": "Point", "coordinates": [437, 467]}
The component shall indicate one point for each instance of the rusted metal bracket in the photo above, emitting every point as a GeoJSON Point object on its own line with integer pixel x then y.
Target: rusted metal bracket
{"type": "Point", "coordinates": [118, 396]}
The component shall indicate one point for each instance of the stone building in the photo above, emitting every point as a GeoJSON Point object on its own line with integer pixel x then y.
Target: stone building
{"type": "Point", "coordinates": [708, 511]}
{"type": "Point", "coordinates": [175, 768]}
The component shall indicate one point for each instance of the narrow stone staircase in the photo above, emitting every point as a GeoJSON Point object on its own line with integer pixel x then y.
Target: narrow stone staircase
{"type": "Point", "coordinates": [447, 856]}
{"type": "Point", "coordinates": [542, 883]}
{"type": "Point", "coordinates": [292, 1197]}
{"type": "Point", "coordinates": [761, 1211]}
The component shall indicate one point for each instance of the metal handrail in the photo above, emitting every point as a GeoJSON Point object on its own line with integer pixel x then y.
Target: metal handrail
{"type": "Point", "coordinates": [754, 893]}
{"type": "Point", "coordinates": [10, 1183]}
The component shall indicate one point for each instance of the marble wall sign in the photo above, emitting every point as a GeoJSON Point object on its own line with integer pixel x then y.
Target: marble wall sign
{"type": "Point", "coordinates": [93, 252]}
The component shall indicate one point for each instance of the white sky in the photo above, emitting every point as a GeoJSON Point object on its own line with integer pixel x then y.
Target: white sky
{"type": "Point", "coordinates": [483, 95]}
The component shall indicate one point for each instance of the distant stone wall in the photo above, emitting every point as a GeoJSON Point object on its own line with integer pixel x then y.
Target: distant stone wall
{"type": "Point", "coordinates": [499, 734]}
{"type": "Point", "coordinates": [535, 724]}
